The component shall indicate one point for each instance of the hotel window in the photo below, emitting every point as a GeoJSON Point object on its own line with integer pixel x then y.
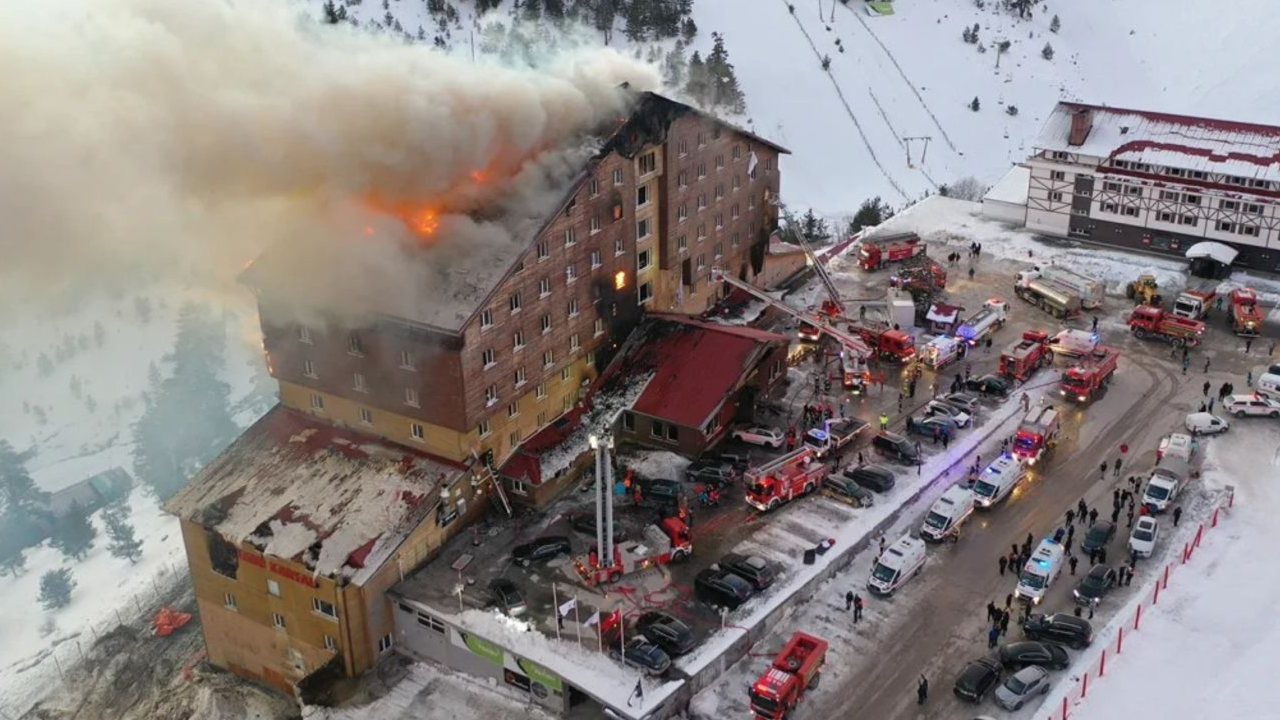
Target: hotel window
{"type": "Point", "coordinates": [682, 179]}
{"type": "Point", "coordinates": [1109, 207]}
{"type": "Point", "coordinates": [595, 259]}
{"type": "Point", "coordinates": [648, 163]}
{"type": "Point", "coordinates": [617, 177]}
{"type": "Point", "coordinates": [737, 183]}
{"type": "Point", "coordinates": [483, 429]}
{"type": "Point", "coordinates": [702, 170]}
{"type": "Point", "coordinates": [330, 644]}
{"type": "Point", "coordinates": [737, 152]}
{"type": "Point", "coordinates": [544, 287]}
{"type": "Point", "coordinates": [719, 191]}
{"type": "Point", "coordinates": [1131, 211]}
{"type": "Point", "coordinates": [540, 391]}
{"type": "Point", "coordinates": [324, 608]}
{"type": "Point", "coordinates": [643, 228]}
{"type": "Point", "coordinates": [717, 250]}
{"type": "Point", "coordinates": [642, 260]}
{"type": "Point", "coordinates": [317, 402]}
{"type": "Point", "coordinates": [1058, 175]}
{"type": "Point", "coordinates": [490, 395]}
{"type": "Point", "coordinates": [1250, 230]}
{"type": "Point", "coordinates": [1176, 172]}
{"type": "Point", "coordinates": [1225, 226]}
{"type": "Point", "coordinates": [702, 261]}
{"type": "Point", "coordinates": [682, 244]}
{"type": "Point", "coordinates": [229, 602]}
{"type": "Point", "coordinates": [595, 224]}
{"type": "Point", "coordinates": [736, 239]}
{"type": "Point", "coordinates": [1122, 164]}
{"type": "Point", "coordinates": [354, 346]}
{"type": "Point", "coordinates": [548, 359]}
{"type": "Point", "coordinates": [657, 428]}
{"type": "Point", "coordinates": [619, 246]}
{"type": "Point", "coordinates": [415, 429]}
{"type": "Point", "coordinates": [1059, 155]}
{"type": "Point", "coordinates": [564, 374]}
{"type": "Point", "coordinates": [683, 147]}
{"type": "Point", "coordinates": [513, 409]}
{"type": "Point", "coordinates": [571, 272]}
{"type": "Point", "coordinates": [1169, 195]}
{"type": "Point", "coordinates": [1133, 190]}
{"type": "Point", "coordinates": [768, 164]}
{"type": "Point", "coordinates": [545, 324]}
{"type": "Point", "coordinates": [1228, 205]}
{"type": "Point", "coordinates": [573, 307]}
{"type": "Point", "coordinates": [1262, 184]}
{"type": "Point", "coordinates": [1191, 199]}
{"type": "Point", "coordinates": [1233, 180]}
{"type": "Point", "coordinates": [304, 334]}
{"type": "Point", "coordinates": [273, 588]}
{"type": "Point", "coordinates": [358, 383]}
{"type": "Point", "coordinates": [514, 303]}
{"type": "Point", "coordinates": [1197, 174]}
{"type": "Point", "coordinates": [628, 421]}
{"type": "Point", "coordinates": [1111, 186]}
{"type": "Point", "coordinates": [566, 403]}
{"type": "Point", "coordinates": [366, 416]}
{"type": "Point", "coordinates": [702, 140]}
{"type": "Point", "coordinates": [309, 369]}
{"type": "Point", "coordinates": [720, 162]}
{"type": "Point", "coordinates": [702, 232]}
{"type": "Point", "coordinates": [568, 209]}
{"type": "Point", "coordinates": [411, 397]}
{"type": "Point", "coordinates": [594, 187]}
{"type": "Point", "coordinates": [751, 202]}
{"type": "Point", "coordinates": [1055, 196]}
{"type": "Point", "coordinates": [646, 292]}
{"type": "Point", "coordinates": [1188, 220]}
{"type": "Point", "coordinates": [542, 418]}
{"type": "Point", "coordinates": [406, 360]}
{"type": "Point", "coordinates": [519, 487]}
{"type": "Point", "coordinates": [590, 360]}
{"type": "Point", "coordinates": [719, 221]}
{"type": "Point", "coordinates": [543, 250]}
{"type": "Point", "coordinates": [597, 327]}
{"type": "Point", "coordinates": [702, 201]}
{"type": "Point", "coordinates": [486, 319]}
{"type": "Point", "coordinates": [517, 340]}
{"type": "Point", "coordinates": [520, 376]}
{"type": "Point", "coordinates": [385, 643]}
{"type": "Point", "coordinates": [487, 358]}
{"type": "Point", "coordinates": [277, 621]}
{"type": "Point", "coordinates": [1165, 217]}
{"type": "Point", "coordinates": [682, 212]}
{"type": "Point", "coordinates": [575, 342]}
{"type": "Point", "coordinates": [1253, 209]}
{"type": "Point", "coordinates": [570, 237]}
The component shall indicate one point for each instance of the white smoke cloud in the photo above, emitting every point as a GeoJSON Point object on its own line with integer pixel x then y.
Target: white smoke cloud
{"type": "Point", "coordinates": [180, 137]}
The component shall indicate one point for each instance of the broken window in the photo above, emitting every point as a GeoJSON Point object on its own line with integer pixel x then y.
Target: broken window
{"type": "Point", "coordinates": [223, 556]}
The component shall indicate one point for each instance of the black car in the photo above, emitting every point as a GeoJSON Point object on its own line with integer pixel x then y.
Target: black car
{"type": "Point", "coordinates": [507, 596]}
{"type": "Point", "coordinates": [876, 478]}
{"type": "Point", "coordinates": [1060, 628]}
{"type": "Point", "coordinates": [540, 550]}
{"type": "Point", "coordinates": [711, 472]}
{"type": "Point", "coordinates": [751, 568]}
{"type": "Point", "coordinates": [934, 425]}
{"type": "Point", "coordinates": [719, 587]}
{"type": "Point", "coordinates": [848, 490]}
{"type": "Point", "coordinates": [666, 632]}
{"type": "Point", "coordinates": [657, 493]}
{"type": "Point", "coordinates": [977, 679]}
{"type": "Point", "coordinates": [988, 385]}
{"type": "Point", "coordinates": [739, 460]}
{"type": "Point", "coordinates": [1097, 537]}
{"type": "Point", "coordinates": [586, 523]}
{"type": "Point", "coordinates": [1094, 585]}
{"type": "Point", "coordinates": [896, 447]}
{"type": "Point", "coordinates": [640, 653]}
{"type": "Point", "coordinates": [1017, 655]}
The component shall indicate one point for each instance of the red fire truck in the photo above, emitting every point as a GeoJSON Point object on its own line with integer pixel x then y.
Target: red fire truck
{"type": "Point", "coordinates": [888, 344]}
{"type": "Point", "coordinates": [876, 252]}
{"type": "Point", "coordinates": [1027, 355]}
{"type": "Point", "coordinates": [660, 544]}
{"type": "Point", "coordinates": [1036, 436]}
{"type": "Point", "coordinates": [1153, 323]}
{"type": "Point", "coordinates": [779, 481]}
{"type": "Point", "coordinates": [1094, 370]}
{"type": "Point", "coordinates": [796, 669]}
{"type": "Point", "coordinates": [920, 274]}
{"type": "Point", "coordinates": [1245, 317]}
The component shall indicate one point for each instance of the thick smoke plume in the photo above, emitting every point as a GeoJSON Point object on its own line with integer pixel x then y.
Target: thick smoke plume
{"type": "Point", "coordinates": [181, 137]}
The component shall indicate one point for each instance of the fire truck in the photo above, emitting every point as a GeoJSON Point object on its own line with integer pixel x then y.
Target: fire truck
{"type": "Point", "coordinates": [888, 343]}
{"type": "Point", "coordinates": [1094, 370]}
{"type": "Point", "coordinates": [660, 544]}
{"type": "Point", "coordinates": [1037, 436]}
{"type": "Point", "coordinates": [1027, 355]}
{"type": "Point", "coordinates": [920, 275]}
{"type": "Point", "coordinates": [876, 252]}
{"type": "Point", "coordinates": [855, 374]}
{"type": "Point", "coordinates": [1194, 304]}
{"type": "Point", "coordinates": [1245, 317]}
{"type": "Point", "coordinates": [989, 319]}
{"type": "Point", "coordinates": [796, 669]}
{"type": "Point", "coordinates": [779, 481]}
{"type": "Point", "coordinates": [1153, 323]}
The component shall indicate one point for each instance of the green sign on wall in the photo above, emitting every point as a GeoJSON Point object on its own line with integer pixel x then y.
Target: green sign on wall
{"type": "Point", "coordinates": [483, 648]}
{"type": "Point", "coordinates": [539, 674]}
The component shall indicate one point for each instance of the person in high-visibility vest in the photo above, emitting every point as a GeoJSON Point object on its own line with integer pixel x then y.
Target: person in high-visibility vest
{"type": "Point", "coordinates": [884, 421]}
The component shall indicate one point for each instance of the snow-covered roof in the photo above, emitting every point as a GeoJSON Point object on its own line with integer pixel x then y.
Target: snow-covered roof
{"type": "Point", "coordinates": [1012, 188]}
{"type": "Point", "coordinates": [301, 490]}
{"type": "Point", "coordinates": [1214, 146]}
{"type": "Point", "coordinates": [1224, 254]}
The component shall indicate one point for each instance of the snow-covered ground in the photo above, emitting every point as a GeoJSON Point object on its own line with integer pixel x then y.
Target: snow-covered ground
{"type": "Point", "coordinates": [1207, 649]}
{"type": "Point", "coordinates": [448, 694]}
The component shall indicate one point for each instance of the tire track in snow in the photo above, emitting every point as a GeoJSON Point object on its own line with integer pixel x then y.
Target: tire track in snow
{"type": "Point", "coordinates": [848, 109]}
{"type": "Point", "coordinates": [907, 80]}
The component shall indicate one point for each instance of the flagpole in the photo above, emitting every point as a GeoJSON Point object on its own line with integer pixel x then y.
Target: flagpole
{"type": "Point", "coordinates": [577, 620]}
{"type": "Point", "coordinates": [555, 604]}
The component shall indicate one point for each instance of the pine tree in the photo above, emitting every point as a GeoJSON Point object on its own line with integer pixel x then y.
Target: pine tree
{"type": "Point", "coordinates": [673, 67]}
{"type": "Point", "coordinates": [826, 63]}
{"type": "Point", "coordinates": [1047, 52]}
{"type": "Point", "coordinates": [975, 105]}
{"type": "Point", "coordinates": [73, 534]}
{"type": "Point", "coordinates": [12, 561]}
{"type": "Point", "coordinates": [330, 13]}
{"type": "Point", "coordinates": [637, 21]}
{"type": "Point", "coordinates": [1055, 24]}
{"type": "Point", "coordinates": [18, 492]}
{"type": "Point", "coordinates": [55, 589]}
{"type": "Point", "coordinates": [699, 83]}
{"type": "Point", "coordinates": [870, 213]}
{"type": "Point", "coordinates": [813, 228]}
{"type": "Point", "coordinates": [554, 8]}
{"type": "Point", "coordinates": [688, 29]}
{"type": "Point", "coordinates": [723, 83]}
{"type": "Point", "coordinates": [123, 542]}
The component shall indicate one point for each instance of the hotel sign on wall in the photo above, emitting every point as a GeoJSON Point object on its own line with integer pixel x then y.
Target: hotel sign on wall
{"type": "Point", "coordinates": [276, 568]}
{"type": "Point", "coordinates": [517, 671]}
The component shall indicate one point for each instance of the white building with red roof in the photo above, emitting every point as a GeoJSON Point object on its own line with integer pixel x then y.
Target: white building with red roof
{"type": "Point", "coordinates": [1158, 182]}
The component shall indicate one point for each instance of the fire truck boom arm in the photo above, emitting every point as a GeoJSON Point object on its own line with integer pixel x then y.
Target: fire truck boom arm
{"type": "Point", "coordinates": [848, 340]}
{"type": "Point", "coordinates": [821, 271]}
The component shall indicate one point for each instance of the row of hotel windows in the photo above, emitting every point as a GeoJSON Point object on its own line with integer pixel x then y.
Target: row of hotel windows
{"type": "Point", "coordinates": [319, 607]}
{"type": "Point", "coordinates": [1187, 198]}
{"type": "Point", "coordinates": [1188, 220]}
{"type": "Point", "coordinates": [1192, 174]}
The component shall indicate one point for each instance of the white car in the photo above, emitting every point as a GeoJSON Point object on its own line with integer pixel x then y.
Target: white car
{"type": "Point", "coordinates": [1205, 424]}
{"type": "Point", "coordinates": [760, 435]}
{"type": "Point", "coordinates": [945, 409]}
{"type": "Point", "coordinates": [1145, 533]}
{"type": "Point", "coordinates": [1241, 405]}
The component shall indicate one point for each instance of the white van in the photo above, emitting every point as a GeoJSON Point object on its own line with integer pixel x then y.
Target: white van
{"type": "Point", "coordinates": [899, 563]}
{"type": "Point", "coordinates": [1269, 385]}
{"type": "Point", "coordinates": [1176, 445]}
{"type": "Point", "coordinates": [1202, 423]}
{"type": "Point", "coordinates": [998, 480]}
{"type": "Point", "coordinates": [947, 514]}
{"type": "Point", "coordinates": [1165, 483]}
{"type": "Point", "coordinates": [1040, 571]}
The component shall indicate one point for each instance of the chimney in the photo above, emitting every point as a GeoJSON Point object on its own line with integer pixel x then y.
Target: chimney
{"type": "Point", "coordinates": [1081, 124]}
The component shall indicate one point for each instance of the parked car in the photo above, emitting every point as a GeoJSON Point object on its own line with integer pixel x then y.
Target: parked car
{"type": "Point", "coordinates": [507, 597]}
{"type": "Point", "coordinates": [1142, 541]}
{"type": "Point", "coordinates": [647, 656]}
{"type": "Point", "coordinates": [751, 568]}
{"type": "Point", "coordinates": [739, 460]}
{"type": "Point", "coordinates": [1242, 405]}
{"type": "Point", "coordinates": [977, 679]}
{"type": "Point", "coordinates": [586, 523]}
{"type": "Point", "coordinates": [1203, 423]}
{"type": "Point", "coordinates": [876, 478]}
{"type": "Point", "coordinates": [541, 550]}
{"type": "Point", "coordinates": [1021, 686]}
{"type": "Point", "coordinates": [963, 400]}
{"type": "Point", "coordinates": [1097, 536]}
{"type": "Point", "coordinates": [720, 588]}
{"type": "Point", "coordinates": [1017, 655]}
{"type": "Point", "coordinates": [896, 447]}
{"type": "Point", "coordinates": [1096, 583]}
{"type": "Point", "coordinates": [666, 632]}
{"type": "Point", "coordinates": [988, 385]}
{"type": "Point", "coordinates": [760, 435]}
{"type": "Point", "coordinates": [711, 472]}
{"type": "Point", "coordinates": [934, 426]}
{"type": "Point", "coordinates": [942, 408]}
{"type": "Point", "coordinates": [659, 493]}
{"type": "Point", "coordinates": [1061, 628]}
{"type": "Point", "coordinates": [848, 490]}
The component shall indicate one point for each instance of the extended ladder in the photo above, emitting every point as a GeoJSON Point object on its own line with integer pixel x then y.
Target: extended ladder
{"type": "Point", "coordinates": [486, 472]}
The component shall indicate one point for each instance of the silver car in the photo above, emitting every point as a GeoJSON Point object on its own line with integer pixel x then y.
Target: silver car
{"type": "Point", "coordinates": [1022, 685]}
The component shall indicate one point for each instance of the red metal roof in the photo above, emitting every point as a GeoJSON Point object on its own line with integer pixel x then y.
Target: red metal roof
{"type": "Point", "coordinates": [696, 365]}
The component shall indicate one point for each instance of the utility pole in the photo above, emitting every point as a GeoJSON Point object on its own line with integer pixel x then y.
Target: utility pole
{"type": "Point", "coordinates": [1001, 46]}
{"type": "Point", "coordinates": [923, 153]}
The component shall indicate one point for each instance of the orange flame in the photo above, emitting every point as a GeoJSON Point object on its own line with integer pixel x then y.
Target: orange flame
{"type": "Point", "coordinates": [424, 221]}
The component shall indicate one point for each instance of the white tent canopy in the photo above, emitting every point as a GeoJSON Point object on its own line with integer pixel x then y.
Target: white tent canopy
{"type": "Point", "coordinates": [1214, 251]}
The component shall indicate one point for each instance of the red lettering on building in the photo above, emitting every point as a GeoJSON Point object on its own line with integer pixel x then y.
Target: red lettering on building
{"type": "Point", "coordinates": [250, 558]}
{"type": "Point", "coordinates": [278, 569]}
